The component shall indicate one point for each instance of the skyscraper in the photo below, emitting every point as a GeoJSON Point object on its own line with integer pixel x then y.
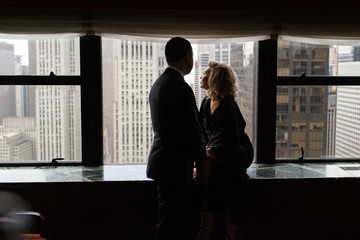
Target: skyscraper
{"type": "Point", "coordinates": [7, 93]}
{"type": "Point", "coordinates": [137, 64]}
{"type": "Point", "coordinates": [14, 147]}
{"type": "Point", "coordinates": [243, 63]}
{"type": "Point", "coordinates": [301, 113]}
{"type": "Point", "coordinates": [204, 53]}
{"type": "Point", "coordinates": [208, 52]}
{"type": "Point", "coordinates": [331, 123]}
{"type": "Point", "coordinates": [26, 126]}
{"type": "Point", "coordinates": [348, 114]}
{"type": "Point", "coordinates": [57, 107]}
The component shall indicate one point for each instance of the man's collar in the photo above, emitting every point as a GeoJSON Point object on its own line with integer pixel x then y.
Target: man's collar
{"type": "Point", "coordinates": [178, 70]}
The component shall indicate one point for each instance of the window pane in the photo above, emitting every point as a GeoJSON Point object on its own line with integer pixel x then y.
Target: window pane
{"type": "Point", "coordinates": [317, 60]}
{"type": "Point", "coordinates": [39, 123]}
{"type": "Point", "coordinates": [40, 57]}
{"type": "Point", "coordinates": [323, 120]}
{"type": "Point", "coordinates": [129, 69]}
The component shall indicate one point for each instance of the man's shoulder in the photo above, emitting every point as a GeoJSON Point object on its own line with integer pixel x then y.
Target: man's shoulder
{"type": "Point", "coordinates": [170, 78]}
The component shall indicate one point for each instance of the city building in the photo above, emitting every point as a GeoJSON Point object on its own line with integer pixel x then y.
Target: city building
{"type": "Point", "coordinates": [331, 123]}
{"type": "Point", "coordinates": [348, 114]}
{"type": "Point", "coordinates": [204, 53]}
{"type": "Point", "coordinates": [136, 64]}
{"type": "Point", "coordinates": [7, 92]}
{"type": "Point", "coordinates": [242, 58]}
{"type": "Point", "coordinates": [57, 107]}
{"type": "Point", "coordinates": [301, 114]}
{"type": "Point", "coordinates": [14, 147]}
{"type": "Point", "coordinates": [25, 125]}
{"type": "Point", "coordinates": [219, 52]}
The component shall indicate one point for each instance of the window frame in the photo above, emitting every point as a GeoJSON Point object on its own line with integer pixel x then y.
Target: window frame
{"type": "Point", "coordinates": [268, 80]}
{"type": "Point", "coordinates": [90, 82]}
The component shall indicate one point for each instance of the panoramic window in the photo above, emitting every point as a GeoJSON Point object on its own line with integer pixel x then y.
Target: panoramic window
{"type": "Point", "coordinates": [39, 122]}
{"type": "Point", "coordinates": [130, 66]}
{"type": "Point", "coordinates": [323, 119]}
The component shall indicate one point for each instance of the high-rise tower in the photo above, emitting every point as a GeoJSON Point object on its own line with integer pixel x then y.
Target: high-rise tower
{"type": "Point", "coordinates": [137, 64]}
{"type": "Point", "coordinates": [57, 107]}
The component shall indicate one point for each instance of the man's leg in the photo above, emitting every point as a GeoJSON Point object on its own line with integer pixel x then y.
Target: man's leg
{"type": "Point", "coordinates": [173, 212]}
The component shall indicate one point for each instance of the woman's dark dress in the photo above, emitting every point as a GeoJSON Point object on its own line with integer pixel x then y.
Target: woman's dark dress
{"type": "Point", "coordinates": [225, 135]}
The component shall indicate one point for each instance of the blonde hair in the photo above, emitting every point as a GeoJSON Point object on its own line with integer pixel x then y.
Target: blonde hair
{"type": "Point", "coordinates": [222, 80]}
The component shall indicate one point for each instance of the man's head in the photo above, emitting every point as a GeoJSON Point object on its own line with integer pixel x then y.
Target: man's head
{"type": "Point", "coordinates": [178, 53]}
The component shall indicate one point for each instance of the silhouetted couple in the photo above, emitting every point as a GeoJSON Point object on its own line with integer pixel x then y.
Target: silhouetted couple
{"type": "Point", "coordinates": [213, 139]}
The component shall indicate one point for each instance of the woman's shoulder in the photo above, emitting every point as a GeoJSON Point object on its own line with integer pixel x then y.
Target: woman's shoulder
{"type": "Point", "coordinates": [204, 101]}
{"type": "Point", "coordinates": [229, 100]}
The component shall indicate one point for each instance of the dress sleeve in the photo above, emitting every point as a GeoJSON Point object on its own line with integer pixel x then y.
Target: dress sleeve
{"type": "Point", "coordinates": [228, 124]}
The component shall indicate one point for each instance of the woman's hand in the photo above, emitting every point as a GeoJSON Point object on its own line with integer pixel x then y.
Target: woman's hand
{"type": "Point", "coordinates": [212, 156]}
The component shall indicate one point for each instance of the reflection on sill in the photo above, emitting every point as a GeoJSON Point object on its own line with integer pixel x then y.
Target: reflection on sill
{"type": "Point", "coordinates": [304, 170]}
{"type": "Point", "coordinates": [121, 173]}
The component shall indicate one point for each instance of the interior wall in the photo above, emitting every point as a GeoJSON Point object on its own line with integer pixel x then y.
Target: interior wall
{"type": "Point", "coordinates": [291, 209]}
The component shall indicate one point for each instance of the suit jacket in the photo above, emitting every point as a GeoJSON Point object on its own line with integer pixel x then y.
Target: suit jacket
{"type": "Point", "coordinates": [178, 137]}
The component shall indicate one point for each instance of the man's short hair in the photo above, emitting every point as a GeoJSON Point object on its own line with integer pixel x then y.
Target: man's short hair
{"type": "Point", "coordinates": [176, 48]}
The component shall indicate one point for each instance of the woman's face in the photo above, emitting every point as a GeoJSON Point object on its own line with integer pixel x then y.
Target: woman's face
{"type": "Point", "coordinates": [205, 79]}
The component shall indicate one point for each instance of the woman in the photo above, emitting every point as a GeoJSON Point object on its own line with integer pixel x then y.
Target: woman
{"type": "Point", "coordinates": [229, 151]}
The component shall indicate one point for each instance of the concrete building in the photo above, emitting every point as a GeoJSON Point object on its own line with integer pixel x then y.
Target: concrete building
{"type": "Point", "coordinates": [348, 114]}
{"type": "Point", "coordinates": [14, 147]}
{"type": "Point", "coordinates": [331, 123]}
{"type": "Point", "coordinates": [25, 125]}
{"type": "Point", "coordinates": [301, 110]}
{"type": "Point", "coordinates": [7, 92]}
{"type": "Point", "coordinates": [243, 62]}
{"type": "Point", "coordinates": [57, 107]}
{"type": "Point", "coordinates": [137, 64]}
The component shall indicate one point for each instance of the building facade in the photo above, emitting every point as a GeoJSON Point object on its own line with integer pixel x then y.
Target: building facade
{"type": "Point", "coordinates": [137, 64]}
{"type": "Point", "coordinates": [348, 114]}
{"type": "Point", "coordinates": [7, 92]}
{"type": "Point", "coordinates": [243, 62]}
{"type": "Point", "coordinates": [14, 147]}
{"type": "Point", "coordinates": [57, 107]}
{"type": "Point", "coordinates": [301, 114]}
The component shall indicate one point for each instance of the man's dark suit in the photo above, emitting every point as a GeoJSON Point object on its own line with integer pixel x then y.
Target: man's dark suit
{"type": "Point", "coordinates": [178, 143]}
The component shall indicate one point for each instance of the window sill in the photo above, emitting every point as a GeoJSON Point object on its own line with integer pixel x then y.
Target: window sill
{"type": "Point", "coordinates": [305, 170]}
{"type": "Point", "coordinates": [137, 173]}
{"type": "Point", "coordinates": [49, 175]}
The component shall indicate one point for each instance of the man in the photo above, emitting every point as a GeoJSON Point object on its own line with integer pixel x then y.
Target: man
{"type": "Point", "coordinates": [178, 140]}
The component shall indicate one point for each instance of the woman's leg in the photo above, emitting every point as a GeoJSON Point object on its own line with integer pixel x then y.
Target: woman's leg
{"type": "Point", "coordinates": [207, 218]}
{"type": "Point", "coordinates": [204, 173]}
{"type": "Point", "coordinates": [226, 221]}
{"type": "Point", "coordinates": [231, 231]}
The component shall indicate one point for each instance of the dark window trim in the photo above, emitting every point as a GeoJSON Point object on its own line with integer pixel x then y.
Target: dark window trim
{"type": "Point", "coordinates": [266, 101]}
{"type": "Point", "coordinates": [40, 80]}
{"type": "Point", "coordinates": [91, 100]}
{"type": "Point", "coordinates": [317, 80]}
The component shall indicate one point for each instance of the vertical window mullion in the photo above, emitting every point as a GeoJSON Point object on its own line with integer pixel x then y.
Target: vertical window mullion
{"type": "Point", "coordinates": [266, 112]}
{"type": "Point", "coordinates": [91, 101]}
